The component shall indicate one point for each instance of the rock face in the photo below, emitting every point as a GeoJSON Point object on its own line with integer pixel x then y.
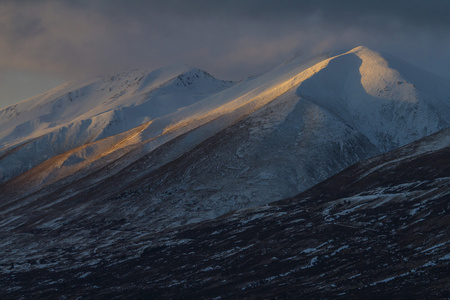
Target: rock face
{"type": "Point", "coordinates": [379, 227]}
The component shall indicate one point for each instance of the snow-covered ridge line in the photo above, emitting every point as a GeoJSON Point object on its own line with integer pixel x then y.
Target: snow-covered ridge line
{"type": "Point", "coordinates": [89, 99]}
{"type": "Point", "coordinates": [230, 108]}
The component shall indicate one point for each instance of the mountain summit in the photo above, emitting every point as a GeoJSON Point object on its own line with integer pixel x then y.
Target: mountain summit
{"type": "Point", "coordinates": [391, 107]}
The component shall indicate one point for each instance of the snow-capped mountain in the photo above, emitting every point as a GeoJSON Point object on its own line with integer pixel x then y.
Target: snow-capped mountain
{"type": "Point", "coordinates": [102, 179]}
{"type": "Point", "coordinates": [176, 145]}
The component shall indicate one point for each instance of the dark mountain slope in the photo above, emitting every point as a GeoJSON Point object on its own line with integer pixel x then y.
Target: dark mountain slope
{"type": "Point", "coordinates": [377, 229]}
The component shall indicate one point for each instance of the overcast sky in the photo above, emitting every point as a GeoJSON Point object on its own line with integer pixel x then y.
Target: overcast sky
{"type": "Point", "coordinates": [44, 43]}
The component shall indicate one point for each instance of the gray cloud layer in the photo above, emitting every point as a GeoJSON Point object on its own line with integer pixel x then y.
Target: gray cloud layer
{"type": "Point", "coordinates": [231, 39]}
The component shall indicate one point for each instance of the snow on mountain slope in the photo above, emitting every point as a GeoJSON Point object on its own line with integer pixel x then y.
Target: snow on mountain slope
{"type": "Point", "coordinates": [285, 147]}
{"type": "Point", "coordinates": [77, 114]}
{"type": "Point", "coordinates": [228, 105]}
{"type": "Point", "coordinates": [361, 88]}
{"type": "Point", "coordinates": [83, 100]}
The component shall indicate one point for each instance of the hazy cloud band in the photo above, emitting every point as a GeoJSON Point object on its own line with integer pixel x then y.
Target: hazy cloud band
{"type": "Point", "coordinates": [231, 39]}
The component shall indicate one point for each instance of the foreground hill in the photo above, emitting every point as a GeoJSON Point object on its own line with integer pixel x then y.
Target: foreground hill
{"type": "Point", "coordinates": [379, 228]}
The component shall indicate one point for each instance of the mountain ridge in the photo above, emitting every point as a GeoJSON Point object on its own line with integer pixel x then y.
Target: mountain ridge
{"type": "Point", "coordinates": [279, 134]}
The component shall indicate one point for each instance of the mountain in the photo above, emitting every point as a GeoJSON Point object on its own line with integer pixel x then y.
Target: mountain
{"type": "Point", "coordinates": [108, 182]}
{"type": "Point", "coordinates": [175, 145]}
{"type": "Point", "coordinates": [380, 227]}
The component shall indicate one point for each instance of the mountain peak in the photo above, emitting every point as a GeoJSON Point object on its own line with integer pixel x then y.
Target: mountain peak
{"type": "Point", "coordinates": [359, 49]}
{"type": "Point", "coordinates": [363, 88]}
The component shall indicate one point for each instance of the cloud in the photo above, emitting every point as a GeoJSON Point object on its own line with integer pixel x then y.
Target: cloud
{"type": "Point", "coordinates": [230, 39]}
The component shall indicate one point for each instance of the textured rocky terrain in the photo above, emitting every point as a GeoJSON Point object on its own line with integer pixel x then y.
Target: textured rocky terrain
{"type": "Point", "coordinates": [379, 228]}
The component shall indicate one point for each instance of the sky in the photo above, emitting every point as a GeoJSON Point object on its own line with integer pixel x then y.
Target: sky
{"type": "Point", "coordinates": [44, 43]}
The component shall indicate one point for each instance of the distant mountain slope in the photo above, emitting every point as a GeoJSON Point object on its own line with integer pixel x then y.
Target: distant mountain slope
{"type": "Point", "coordinates": [77, 114]}
{"type": "Point", "coordinates": [379, 228]}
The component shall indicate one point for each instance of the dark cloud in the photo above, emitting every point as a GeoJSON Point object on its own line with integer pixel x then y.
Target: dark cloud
{"type": "Point", "coordinates": [231, 39]}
